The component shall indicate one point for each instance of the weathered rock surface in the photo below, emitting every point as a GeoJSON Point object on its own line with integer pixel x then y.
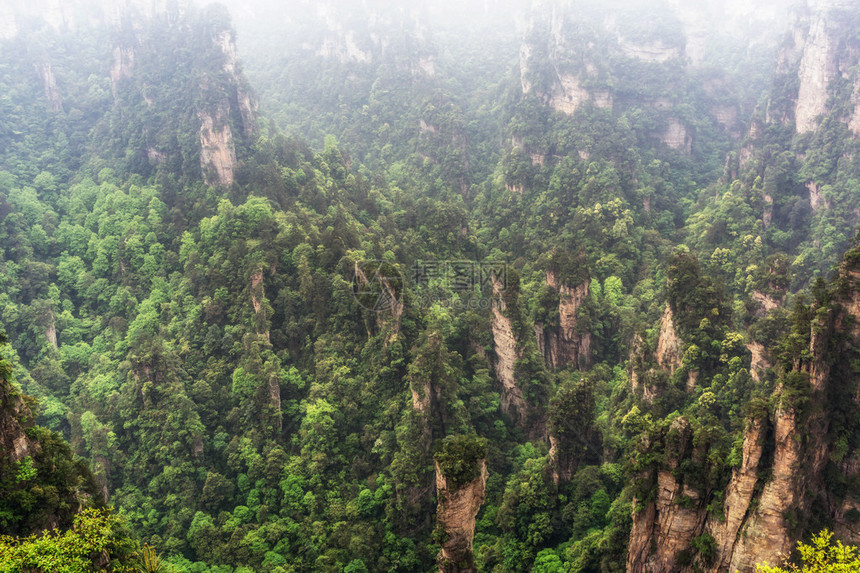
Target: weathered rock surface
{"type": "Point", "coordinates": [759, 362]}
{"type": "Point", "coordinates": [677, 136]}
{"type": "Point", "coordinates": [817, 68]}
{"type": "Point", "coordinates": [665, 527]}
{"type": "Point", "coordinates": [513, 403]}
{"type": "Point", "coordinates": [739, 494]}
{"type": "Point", "coordinates": [565, 346]}
{"type": "Point", "coordinates": [14, 442]}
{"type": "Point", "coordinates": [828, 51]}
{"type": "Point", "coordinates": [668, 353]}
{"type": "Point", "coordinates": [49, 83]}
{"type": "Point", "coordinates": [456, 516]}
{"type": "Point", "coordinates": [760, 528]}
{"type": "Point", "coordinates": [217, 152]}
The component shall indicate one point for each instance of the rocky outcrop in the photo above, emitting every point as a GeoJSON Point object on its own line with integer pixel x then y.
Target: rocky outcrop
{"type": "Point", "coordinates": [455, 516]}
{"type": "Point", "coordinates": [854, 122]}
{"type": "Point", "coordinates": [15, 418]}
{"type": "Point", "coordinates": [566, 345]}
{"type": "Point", "coordinates": [512, 401]}
{"type": "Point", "coordinates": [766, 534]}
{"type": "Point", "coordinates": [122, 67]}
{"type": "Point", "coordinates": [226, 42]}
{"type": "Point", "coordinates": [261, 320]}
{"type": "Point", "coordinates": [664, 528]}
{"type": "Point", "coordinates": [49, 84]}
{"type": "Point", "coordinates": [825, 36]}
{"type": "Point", "coordinates": [217, 152]}
{"type": "Point", "coordinates": [817, 69]}
{"type": "Point", "coordinates": [677, 136]}
{"type": "Point", "coordinates": [51, 330]}
{"type": "Point", "coordinates": [744, 535]}
{"type": "Point", "coordinates": [739, 495]}
{"type": "Point", "coordinates": [765, 302]}
{"type": "Point", "coordinates": [381, 293]}
{"type": "Point", "coordinates": [653, 52]}
{"type": "Point", "coordinates": [568, 95]}
{"type": "Point", "coordinates": [668, 353]}
{"type": "Point", "coordinates": [756, 528]}
{"type": "Point", "coordinates": [816, 200]}
{"type": "Point", "coordinates": [759, 361]}
{"type": "Point", "coordinates": [345, 50]}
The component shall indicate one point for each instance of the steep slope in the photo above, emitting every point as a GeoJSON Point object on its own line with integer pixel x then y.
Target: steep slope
{"type": "Point", "coordinates": [44, 484]}
{"type": "Point", "coordinates": [173, 70]}
{"type": "Point", "coordinates": [776, 490]}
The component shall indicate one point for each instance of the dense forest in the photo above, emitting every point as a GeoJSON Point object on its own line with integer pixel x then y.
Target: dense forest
{"type": "Point", "coordinates": [493, 286]}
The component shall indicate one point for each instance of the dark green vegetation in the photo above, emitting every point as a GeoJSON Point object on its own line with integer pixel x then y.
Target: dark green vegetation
{"type": "Point", "coordinates": [203, 348]}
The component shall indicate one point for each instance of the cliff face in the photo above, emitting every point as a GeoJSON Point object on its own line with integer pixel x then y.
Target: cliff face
{"type": "Point", "coordinates": [565, 346]}
{"type": "Point", "coordinates": [217, 153]}
{"type": "Point", "coordinates": [507, 354]}
{"type": "Point", "coordinates": [49, 82]}
{"type": "Point", "coordinates": [15, 417]}
{"type": "Point", "coordinates": [172, 69]}
{"type": "Point", "coordinates": [823, 36]}
{"type": "Point", "coordinates": [666, 526]}
{"type": "Point", "coordinates": [668, 352]}
{"type": "Point", "coordinates": [455, 516]}
{"type": "Point", "coordinates": [755, 528]}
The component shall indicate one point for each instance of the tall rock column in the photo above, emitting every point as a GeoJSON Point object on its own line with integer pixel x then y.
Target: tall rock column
{"type": "Point", "coordinates": [461, 482]}
{"type": "Point", "coordinates": [507, 353]}
{"type": "Point", "coordinates": [565, 345]}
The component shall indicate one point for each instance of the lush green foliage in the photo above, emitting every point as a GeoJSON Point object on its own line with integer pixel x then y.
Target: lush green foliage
{"type": "Point", "coordinates": [204, 347]}
{"type": "Point", "coordinates": [97, 540]}
{"type": "Point", "coordinates": [821, 556]}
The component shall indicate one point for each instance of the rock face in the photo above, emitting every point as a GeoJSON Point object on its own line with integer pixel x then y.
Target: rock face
{"type": "Point", "coordinates": [817, 69]}
{"type": "Point", "coordinates": [668, 352]}
{"type": "Point", "coordinates": [261, 319]}
{"type": "Point", "coordinates": [854, 123]}
{"type": "Point", "coordinates": [756, 528]}
{"type": "Point", "coordinates": [739, 494]}
{"type": "Point", "coordinates": [217, 148]}
{"type": "Point", "coordinates": [507, 354]}
{"type": "Point", "coordinates": [49, 82]}
{"type": "Point", "coordinates": [765, 302]}
{"type": "Point", "coordinates": [217, 152]}
{"type": "Point", "coordinates": [455, 515]}
{"type": "Point", "coordinates": [759, 362]}
{"type": "Point", "coordinates": [568, 85]}
{"type": "Point", "coordinates": [654, 52]}
{"type": "Point", "coordinates": [677, 136]}
{"type": "Point", "coordinates": [214, 83]}
{"type": "Point", "coordinates": [14, 443]}
{"type": "Point", "coordinates": [565, 346]}
{"type": "Point", "coordinates": [828, 50]}
{"type": "Point", "coordinates": [123, 65]}
{"type": "Point", "coordinates": [247, 105]}
{"type": "Point", "coordinates": [665, 527]}
{"type": "Point", "coordinates": [766, 535]}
